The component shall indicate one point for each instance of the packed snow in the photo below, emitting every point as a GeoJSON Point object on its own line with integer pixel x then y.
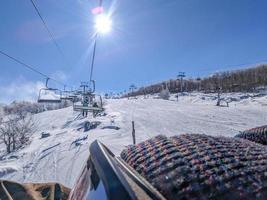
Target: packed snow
{"type": "Point", "coordinates": [61, 155]}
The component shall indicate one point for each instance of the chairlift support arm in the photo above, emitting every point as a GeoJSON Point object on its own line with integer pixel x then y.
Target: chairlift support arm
{"type": "Point", "coordinates": [93, 82]}
{"type": "Point", "coordinates": [46, 82]}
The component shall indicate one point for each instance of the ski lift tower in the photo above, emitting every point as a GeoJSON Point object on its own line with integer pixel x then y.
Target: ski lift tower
{"type": "Point", "coordinates": [180, 77]}
{"type": "Point", "coordinates": [132, 88]}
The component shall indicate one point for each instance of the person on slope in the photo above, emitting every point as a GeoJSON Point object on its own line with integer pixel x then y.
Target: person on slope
{"type": "Point", "coordinates": [85, 104]}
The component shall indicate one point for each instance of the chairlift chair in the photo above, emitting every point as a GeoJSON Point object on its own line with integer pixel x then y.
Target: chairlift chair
{"type": "Point", "coordinates": [92, 105]}
{"type": "Point", "coordinates": [78, 92]}
{"type": "Point", "coordinates": [46, 93]}
{"type": "Point", "coordinates": [73, 96]}
{"type": "Point", "coordinates": [67, 95]}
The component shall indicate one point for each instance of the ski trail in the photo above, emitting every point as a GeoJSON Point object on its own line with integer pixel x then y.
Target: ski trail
{"type": "Point", "coordinates": [73, 160]}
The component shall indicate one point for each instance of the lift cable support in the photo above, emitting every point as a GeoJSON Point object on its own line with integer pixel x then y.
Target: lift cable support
{"type": "Point", "coordinates": [180, 77]}
{"type": "Point", "coordinates": [93, 61]}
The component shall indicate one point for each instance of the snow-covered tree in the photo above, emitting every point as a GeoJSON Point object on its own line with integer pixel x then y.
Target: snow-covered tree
{"type": "Point", "coordinates": [15, 132]}
{"type": "Point", "coordinates": [164, 94]}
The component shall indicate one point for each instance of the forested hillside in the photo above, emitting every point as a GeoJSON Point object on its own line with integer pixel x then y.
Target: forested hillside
{"type": "Point", "coordinates": [245, 80]}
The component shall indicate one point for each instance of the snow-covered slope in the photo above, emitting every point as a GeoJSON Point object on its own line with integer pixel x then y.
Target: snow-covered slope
{"type": "Point", "coordinates": [58, 158]}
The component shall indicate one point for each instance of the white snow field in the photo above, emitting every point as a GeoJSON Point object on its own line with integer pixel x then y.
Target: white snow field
{"type": "Point", "coordinates": [57, 158]}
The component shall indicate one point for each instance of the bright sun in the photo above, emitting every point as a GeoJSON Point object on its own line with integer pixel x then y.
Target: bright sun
{"type": "Point", "coordinates": [103, 24]}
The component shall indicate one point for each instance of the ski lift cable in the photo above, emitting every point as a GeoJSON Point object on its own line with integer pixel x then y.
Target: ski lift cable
{"type": "Point", "coordinates": [47, 29]}
{"type": "Point", "coordinates": [30, 67]}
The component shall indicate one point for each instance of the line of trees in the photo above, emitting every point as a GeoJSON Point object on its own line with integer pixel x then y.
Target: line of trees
{"type": "Point", "coordinates": [33, 108]}
{"type": "Point", "coordinates": [246, 80]}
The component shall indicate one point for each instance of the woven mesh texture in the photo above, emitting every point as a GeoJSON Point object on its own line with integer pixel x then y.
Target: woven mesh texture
{"type": "Point", "coordinates": [201, 167]}
{"type": "Point", "coordinates": [258, 135]}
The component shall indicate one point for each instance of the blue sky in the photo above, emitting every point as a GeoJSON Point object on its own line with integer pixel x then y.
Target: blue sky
{"type": "Point", "coordinates": [151, 40]}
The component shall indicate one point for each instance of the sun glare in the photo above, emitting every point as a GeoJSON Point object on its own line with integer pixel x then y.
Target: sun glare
{"type": "Point", "coordinates": [103, 24]}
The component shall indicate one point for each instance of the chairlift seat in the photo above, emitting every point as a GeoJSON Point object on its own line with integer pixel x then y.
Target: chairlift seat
{"type": "Point", "coordinates": [42, 98]}
{"type": "Point", "coordinates": [86, 108]}
{"type": "Point", "coordinates": [67, 98]}
{"type": "Point", "coordinates": [73, 96]}
{"type": "Point", "coordinates": [49, 101]}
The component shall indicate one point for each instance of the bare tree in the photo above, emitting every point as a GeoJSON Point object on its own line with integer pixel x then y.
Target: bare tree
{"type": "Point", "coordinates": [6, 135]}
{"type": "Point", "coordinates": [16, 131]}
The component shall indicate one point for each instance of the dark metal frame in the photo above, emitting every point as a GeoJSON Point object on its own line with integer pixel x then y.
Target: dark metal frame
{"type": "Point", "coordinates": [103, 167]}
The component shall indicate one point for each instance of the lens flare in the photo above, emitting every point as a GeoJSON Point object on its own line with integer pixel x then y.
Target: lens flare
{"type": "Point", "coordinates": [103, 24]}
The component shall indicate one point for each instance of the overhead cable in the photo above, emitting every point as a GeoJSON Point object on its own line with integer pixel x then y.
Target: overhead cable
{"type": "Point", "coordinates": [30, 67]}
{"type": "Point", "coordinates": [47, 29]}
